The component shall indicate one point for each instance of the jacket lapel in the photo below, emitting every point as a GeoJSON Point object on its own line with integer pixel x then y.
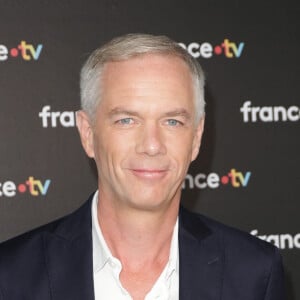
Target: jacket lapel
{"type": "Point", "coordinates": [69, 257]}
{"type": "Point", "coordinates": [200, 259]}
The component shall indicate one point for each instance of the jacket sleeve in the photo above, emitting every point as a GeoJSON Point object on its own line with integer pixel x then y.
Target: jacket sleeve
{"type": "Point", "coordinates": [275, 287]}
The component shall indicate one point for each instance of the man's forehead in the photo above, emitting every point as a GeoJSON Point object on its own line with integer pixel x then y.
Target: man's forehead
{"type": "Point", "coordinates": [147, 81]}
{"type": "Point", "coordinates": [156, 68]}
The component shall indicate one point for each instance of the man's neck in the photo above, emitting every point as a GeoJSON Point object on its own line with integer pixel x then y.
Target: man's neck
{"type": "Point", "coordinates": [137, 238]}
{"type": "Point", "coordinates": [140, 239]}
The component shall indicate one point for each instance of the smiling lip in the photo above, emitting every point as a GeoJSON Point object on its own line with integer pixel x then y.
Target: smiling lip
{"type": "Point", "coordinates": [149, 173]}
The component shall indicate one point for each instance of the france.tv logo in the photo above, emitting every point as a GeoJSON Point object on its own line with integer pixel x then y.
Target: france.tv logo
{"type": "Point", "coordinates": [226, 48]}
{"type": "Point", "coordinates": [233, 178]}
{"type": "Point", "coordinates": [32, 186]}
{"type": "Point", "coordinates": [24, 51]}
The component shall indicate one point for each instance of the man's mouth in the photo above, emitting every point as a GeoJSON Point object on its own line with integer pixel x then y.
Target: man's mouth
{"type": "Point", "coordinates": [149, 173]}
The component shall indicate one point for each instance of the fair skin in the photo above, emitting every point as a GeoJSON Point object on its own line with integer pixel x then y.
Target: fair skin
{"type": "Point", "coordinates": [143, 139]}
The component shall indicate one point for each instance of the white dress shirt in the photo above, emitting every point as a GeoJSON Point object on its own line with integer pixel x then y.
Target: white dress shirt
{"type": "Point", "coordinates": [107, 269]}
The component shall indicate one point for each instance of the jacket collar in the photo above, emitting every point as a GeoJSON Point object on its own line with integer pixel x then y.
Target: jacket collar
{"type": "Point", "coordinates": [68, 251]}
{"type": "Point", "coordinates": [200, 259]}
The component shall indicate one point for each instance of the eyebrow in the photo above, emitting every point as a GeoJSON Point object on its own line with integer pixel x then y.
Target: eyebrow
{"type": "Point", "coordinates": [174, 113]}
{"type": "Point", "coordinates": [179, 112]}
{"type": "Point", "coordinates": [122, 111]}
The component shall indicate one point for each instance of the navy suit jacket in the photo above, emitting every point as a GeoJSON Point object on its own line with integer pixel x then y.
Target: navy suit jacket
{"type": "Point", "coordinates": [54, 262]}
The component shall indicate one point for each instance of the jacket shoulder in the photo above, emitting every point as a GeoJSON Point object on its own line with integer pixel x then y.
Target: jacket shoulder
{"type": "Point", "coordinates": [26, 244]}
{"type": "Point", "coordinates": [234, 241]}
{"type": "Point", "coordinates": [31, 242]}
{"type": "Point", "coordinates": [249, 264]}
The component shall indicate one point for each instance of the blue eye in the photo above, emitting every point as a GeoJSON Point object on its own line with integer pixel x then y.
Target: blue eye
{"type": "Point", "coordinates": [173, 122]}
{"type": "Point", "coordinates": [125, 121]}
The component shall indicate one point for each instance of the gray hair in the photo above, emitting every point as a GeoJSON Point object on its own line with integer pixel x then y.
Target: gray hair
{"type": "Point", "coordinates": [130, 46]}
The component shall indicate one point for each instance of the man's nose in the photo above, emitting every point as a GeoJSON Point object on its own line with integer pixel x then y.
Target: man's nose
{"type": "Point", "coordinates": [151, 140]}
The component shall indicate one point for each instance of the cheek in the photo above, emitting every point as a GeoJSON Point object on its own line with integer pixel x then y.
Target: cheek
{"type": "Point", "coordinates": [181, 151]}
{"type": "Point", "coordinates": [101, 151]}
{"type": "Point", "coordinates": [110, 150]}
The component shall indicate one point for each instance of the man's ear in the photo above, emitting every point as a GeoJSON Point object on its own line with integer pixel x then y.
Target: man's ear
{"type": "Point", "coordinates": [86, 132]}
{"type": "Point", "coordinates": [197, 138]}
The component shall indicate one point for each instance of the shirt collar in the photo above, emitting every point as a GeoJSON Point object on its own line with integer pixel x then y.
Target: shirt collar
{"type": "Point", "coordinates": [173, 264]}
{"type": "Point", "coordinates": [102, 254]}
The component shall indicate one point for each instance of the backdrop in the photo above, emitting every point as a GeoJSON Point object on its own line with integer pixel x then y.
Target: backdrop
{"type": "Point", "coordinates": [247, 174]}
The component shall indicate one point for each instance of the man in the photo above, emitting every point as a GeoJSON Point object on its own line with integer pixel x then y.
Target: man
{"type": "Point", "coordinates": [141, 121]}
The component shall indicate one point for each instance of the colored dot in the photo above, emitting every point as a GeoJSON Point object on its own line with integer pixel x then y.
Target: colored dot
{"type": "Point", "coordinates": [225, 179]}
{"type": "Point", "coordinates": [14, 52]}
{"type": "Point", "coordinates": [22, 188]}
{"type": "Point", "coordinates": [218, 50]}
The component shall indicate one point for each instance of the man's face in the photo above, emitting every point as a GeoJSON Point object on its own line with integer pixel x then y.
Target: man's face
{"type": "Point", "coordinates": [144, 136]}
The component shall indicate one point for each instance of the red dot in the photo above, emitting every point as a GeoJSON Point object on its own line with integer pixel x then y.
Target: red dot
{"type": "Point", "coordinates": [22, 188]}
{"type": "Point", "coordinates": [14, 52]}
{"type": "Point", "coordinates": [225, 179]}
{"type": "Point", "coordinates": [218, 50]}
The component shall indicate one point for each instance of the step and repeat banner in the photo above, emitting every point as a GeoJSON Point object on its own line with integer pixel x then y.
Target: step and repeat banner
{"type": "Point", "coordinates": [247, 173]}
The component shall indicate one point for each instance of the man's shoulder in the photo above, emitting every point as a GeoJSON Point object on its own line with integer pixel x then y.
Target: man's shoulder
{"type": "Point", "coordinates": [247, 265]}
{"type": "Point", "coordinates": [235, 242]}
{"type": "Point", "coordinates": [28, 238]}
{"type": "Point", "coordinates": [30, 259]}
{"type": "Point", "coordinates": [23, 258]}
{"type": "Point", "coordinates": [66, 227]}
